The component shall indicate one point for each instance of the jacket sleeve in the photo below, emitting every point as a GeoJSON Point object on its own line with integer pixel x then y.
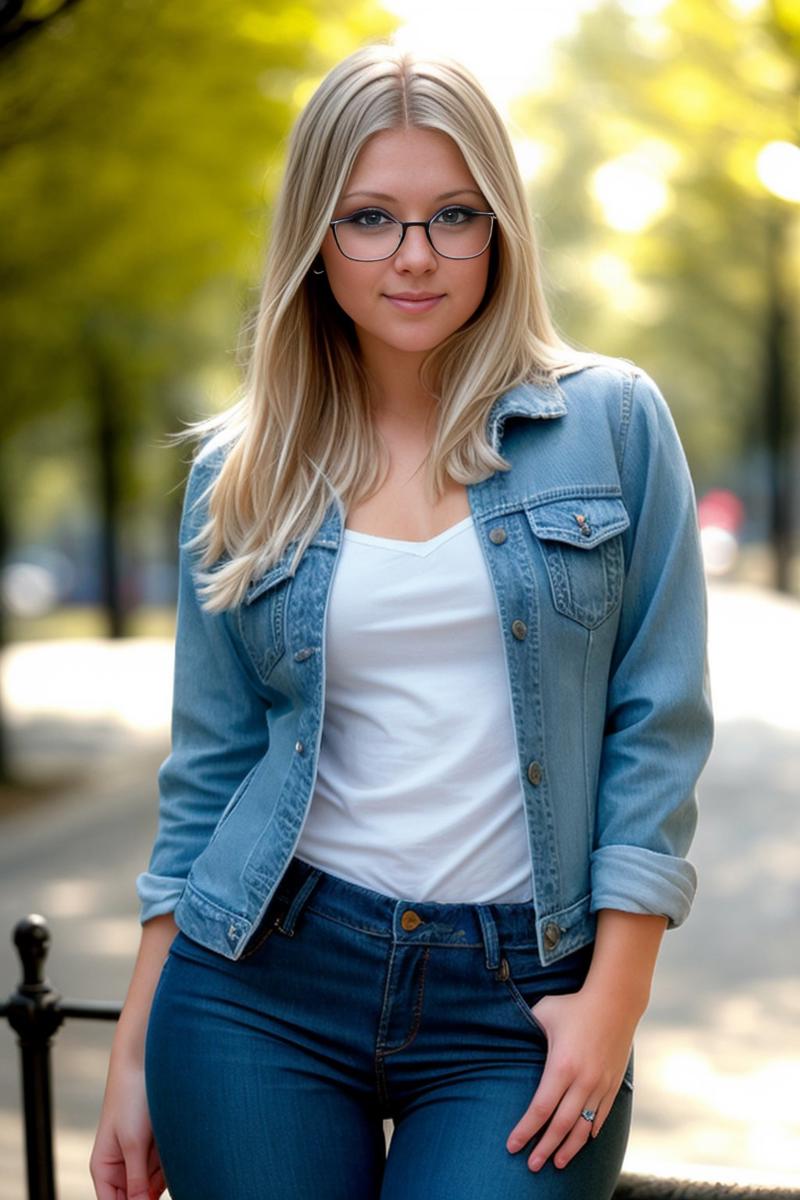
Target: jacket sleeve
{"type": "Point", "coordinates": [219, 722]}
{"type": "Point", "coordinates": [658, 728]}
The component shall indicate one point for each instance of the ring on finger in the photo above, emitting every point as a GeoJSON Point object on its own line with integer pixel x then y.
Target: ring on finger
{"type": "Point", "coordinates": [589, 1114]}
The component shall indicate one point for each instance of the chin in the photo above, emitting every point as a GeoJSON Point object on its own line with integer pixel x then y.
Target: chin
{"type": "Point", "coordinates": [419, 340]}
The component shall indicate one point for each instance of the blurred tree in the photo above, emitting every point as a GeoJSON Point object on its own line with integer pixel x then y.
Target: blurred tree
{"type": "Point", "coordinates": [648, 193]}
{"type": "Point", "coordinates": [139, 150]}
{"type": "Point", "coordinates": [18, 20]}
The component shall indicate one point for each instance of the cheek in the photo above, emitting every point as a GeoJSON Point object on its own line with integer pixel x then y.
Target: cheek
{"type": "Point", "coordinates": [349, 282]}
{"type": "Point", "coordinates": [473, 287]}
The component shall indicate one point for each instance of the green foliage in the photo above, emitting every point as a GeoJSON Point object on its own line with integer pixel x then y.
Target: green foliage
{"type": "Point", "coordinates": [690, 98]}
{"type": "Point", "coordinates": [140, 146]}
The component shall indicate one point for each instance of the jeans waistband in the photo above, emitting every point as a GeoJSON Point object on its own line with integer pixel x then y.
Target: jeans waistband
{"type": "Point", "coordinates": [494, 926]}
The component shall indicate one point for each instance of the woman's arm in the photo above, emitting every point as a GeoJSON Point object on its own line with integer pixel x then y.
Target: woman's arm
{"type": "Point", "coordinates": [658, 730]}
{"type": "Point", "coordinates": [156, 938]}
{"type": "Point", "coordinates": [219, 720]}
{"type": "Point", "coordinates": [624, 960]}
{"type": "Point", "coordinates": [124, 1160]}
{"type": "Point", "coordinates": [589, 1037]}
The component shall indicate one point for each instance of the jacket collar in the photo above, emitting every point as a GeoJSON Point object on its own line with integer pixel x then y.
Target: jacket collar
{"type": "Point", "coordinates": [535, 400]}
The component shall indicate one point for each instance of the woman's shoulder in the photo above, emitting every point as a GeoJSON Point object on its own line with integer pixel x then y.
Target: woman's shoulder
{"type": "Point", "coordinates": [205, 464]}
{"type": "Point", "coordinates": [598, 374]}
{"type": "Point", "coordinates": [624, 390]}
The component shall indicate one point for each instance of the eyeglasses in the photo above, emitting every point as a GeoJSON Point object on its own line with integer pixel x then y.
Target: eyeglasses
{"type": "Point", "coordinates": [454, 232]}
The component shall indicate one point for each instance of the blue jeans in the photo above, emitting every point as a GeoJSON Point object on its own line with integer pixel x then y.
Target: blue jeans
{"type": "Point", "coordinates": [270, 1077]}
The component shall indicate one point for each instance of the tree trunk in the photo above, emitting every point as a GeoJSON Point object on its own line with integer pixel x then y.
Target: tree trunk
{"type": "Point", "coordinates": [779, 423]}
{"type": "Point", "coordinates": [108, 448]}
{"type": "Point", "coordinates": [5, 765]}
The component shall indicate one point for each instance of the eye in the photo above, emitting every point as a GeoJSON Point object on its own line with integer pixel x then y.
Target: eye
{"type": "Point", "coordinates": [370, 218]}
{"type": "Point", "coordinates": [457, 215]}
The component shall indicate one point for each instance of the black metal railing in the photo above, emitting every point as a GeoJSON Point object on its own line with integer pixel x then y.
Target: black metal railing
{"type": "Point", "coordinates": [36, 1011]}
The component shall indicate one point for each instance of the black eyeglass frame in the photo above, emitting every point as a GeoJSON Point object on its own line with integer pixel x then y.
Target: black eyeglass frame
{"type": "Point", "coordinates": [404, 225]}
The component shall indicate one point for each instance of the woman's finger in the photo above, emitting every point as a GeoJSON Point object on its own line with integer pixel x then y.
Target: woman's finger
{"type": "Point", "coordinates": [579, 1135]}
{"type": "Point", "coordinates": [137, 1176]}
{"type": "Point", "coordinates": [603, 1109]}
{"type": "Point", "coordinates": [158, 1183]}
{"type": "Point", "coordinates": [552, 1087]}
{"type": "Point", "coordinates": [561, 1125]}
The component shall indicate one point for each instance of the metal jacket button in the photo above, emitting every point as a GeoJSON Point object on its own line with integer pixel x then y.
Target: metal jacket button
{"type": "Point", "coordinates": [552, 935]}
{"type": "Point", "coordinates": [535, 772]}
{"type": "Point", "coordinates": [519, 629]}
{"type": "Point", "coordinates": [497, 535]}
{"type": "Point", "coordinates": [299, 747]}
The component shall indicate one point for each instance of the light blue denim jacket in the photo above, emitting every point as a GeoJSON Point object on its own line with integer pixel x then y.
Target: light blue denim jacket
{"type": "Point", "coordinates": [591, 543]}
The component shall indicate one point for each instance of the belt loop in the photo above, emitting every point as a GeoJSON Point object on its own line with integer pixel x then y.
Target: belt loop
{"type": "Point", "coordinates": [286, 924]}
{"type": "Point", "coordinates": [491, 941]}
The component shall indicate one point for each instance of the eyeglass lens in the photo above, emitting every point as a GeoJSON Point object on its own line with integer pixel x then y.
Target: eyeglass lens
{"type": "Point", "coordinates": [455, 233]}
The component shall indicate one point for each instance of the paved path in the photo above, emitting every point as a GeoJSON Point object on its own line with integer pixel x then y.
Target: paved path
{"type": "Point", "coordinates": [718, 1052]}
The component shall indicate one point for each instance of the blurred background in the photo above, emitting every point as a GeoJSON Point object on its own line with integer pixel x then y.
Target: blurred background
{"type": "Point", "coordinates": [140, 147]}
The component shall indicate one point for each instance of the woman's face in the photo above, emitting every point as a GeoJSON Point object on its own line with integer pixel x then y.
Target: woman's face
{"type": "Point", "coordinates": [410, 174]}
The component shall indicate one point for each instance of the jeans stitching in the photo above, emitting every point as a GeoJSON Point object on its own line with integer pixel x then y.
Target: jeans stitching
{"type": "Point", "coordinates": [525, 1007]}
{"type": "Point", "coordinates": [417, 1011]}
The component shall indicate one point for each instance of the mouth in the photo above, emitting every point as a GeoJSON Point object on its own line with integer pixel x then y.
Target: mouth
{"type": "Point", "coordinates": [411, 302]}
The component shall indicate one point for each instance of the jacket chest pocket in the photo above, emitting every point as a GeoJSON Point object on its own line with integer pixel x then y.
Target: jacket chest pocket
{"type": "Point", "coordinates": [263, 616]}
{"type": "Point", "coordinates": [580, 539]}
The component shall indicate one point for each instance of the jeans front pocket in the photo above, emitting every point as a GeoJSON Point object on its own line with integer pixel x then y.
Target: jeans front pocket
{"type": "Point", "coordinates": [580, 538]}
{"type": "Point", "coordinates": [528, 981]}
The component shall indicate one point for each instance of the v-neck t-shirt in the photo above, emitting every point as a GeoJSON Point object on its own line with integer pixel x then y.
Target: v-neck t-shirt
{"type": "Point", "coordinates": [418, 793]}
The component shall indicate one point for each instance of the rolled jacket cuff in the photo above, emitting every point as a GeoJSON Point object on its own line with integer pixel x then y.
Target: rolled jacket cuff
{"type": "Point", "coordinates": [158, 894]}
{"type": "Point", "coordinates": [635, 879]}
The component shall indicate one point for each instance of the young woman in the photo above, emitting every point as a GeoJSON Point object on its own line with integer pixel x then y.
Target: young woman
{"type": "Point", "coordinates": [441, 703]}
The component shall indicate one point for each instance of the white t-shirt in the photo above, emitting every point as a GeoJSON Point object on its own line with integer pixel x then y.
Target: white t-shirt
{"type": "Point", "coordinates": [418, 793]}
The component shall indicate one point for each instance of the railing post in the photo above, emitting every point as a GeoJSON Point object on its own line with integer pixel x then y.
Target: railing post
{"type": "Point", "coordinates": [33, 1012]}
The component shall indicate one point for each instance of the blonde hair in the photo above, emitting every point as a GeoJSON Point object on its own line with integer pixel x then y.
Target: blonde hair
{"type": "Point", "coordinates": [299, 434]}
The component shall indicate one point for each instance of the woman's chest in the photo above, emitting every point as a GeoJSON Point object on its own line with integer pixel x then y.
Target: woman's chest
{"type": "Point", "coordinates": [402, 510]}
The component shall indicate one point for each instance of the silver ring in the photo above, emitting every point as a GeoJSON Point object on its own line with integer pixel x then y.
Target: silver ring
{"type": "Point", "coordinates": [589, 1114]}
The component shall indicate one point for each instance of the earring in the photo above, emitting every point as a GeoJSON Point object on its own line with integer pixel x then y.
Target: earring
{"type": "Point", "coordinates": [315, 272]}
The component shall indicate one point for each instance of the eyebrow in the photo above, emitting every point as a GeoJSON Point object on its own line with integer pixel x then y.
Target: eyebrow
{"type": "Point", "coordinates": [394, 200]}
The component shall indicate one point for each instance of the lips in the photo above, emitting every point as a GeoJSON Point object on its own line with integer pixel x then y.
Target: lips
{"type": "Point", "coordinates": [414, 302]}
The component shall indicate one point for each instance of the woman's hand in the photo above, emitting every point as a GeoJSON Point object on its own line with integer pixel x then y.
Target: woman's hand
{"type": "Point", "coordinates": [124, 1163]}
{"type": "Point", "coordinates": [589, 1037]}
{"type": "Point", "coordinates": [589, 1044]}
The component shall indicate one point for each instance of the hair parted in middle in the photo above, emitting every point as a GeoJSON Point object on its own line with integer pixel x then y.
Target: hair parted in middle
{"type": "Point", "coordinates": [299, 435]}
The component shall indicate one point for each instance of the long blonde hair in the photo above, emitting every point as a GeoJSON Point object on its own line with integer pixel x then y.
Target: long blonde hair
{"type": "Point", "coordinates": [299, 435]}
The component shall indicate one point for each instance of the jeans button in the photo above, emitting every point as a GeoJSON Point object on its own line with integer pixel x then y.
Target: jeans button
{"type": "Point", "coordinates": [410, 920]}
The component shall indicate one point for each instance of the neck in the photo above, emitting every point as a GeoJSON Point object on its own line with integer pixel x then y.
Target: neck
{"type": "Point", "coordinates": [396, 393]}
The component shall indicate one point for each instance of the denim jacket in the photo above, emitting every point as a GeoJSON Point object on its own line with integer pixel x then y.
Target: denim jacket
{"type": "Point", "coordinates": [591, 543]}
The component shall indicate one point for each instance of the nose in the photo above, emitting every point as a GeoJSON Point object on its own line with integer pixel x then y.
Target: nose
{"type": "Point", "coordinates": [416, 253]}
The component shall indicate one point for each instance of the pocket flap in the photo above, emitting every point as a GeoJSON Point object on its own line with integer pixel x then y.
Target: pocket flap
{"type": "Point", "coordinates": [582, 521]}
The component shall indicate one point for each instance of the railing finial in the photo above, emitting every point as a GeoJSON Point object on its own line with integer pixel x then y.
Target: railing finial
{"type": "Point", "coordinates": [32, 939]}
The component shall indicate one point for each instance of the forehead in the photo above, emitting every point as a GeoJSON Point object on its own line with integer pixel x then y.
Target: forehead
{"type": "Point", "coordinates": [402, 162]}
